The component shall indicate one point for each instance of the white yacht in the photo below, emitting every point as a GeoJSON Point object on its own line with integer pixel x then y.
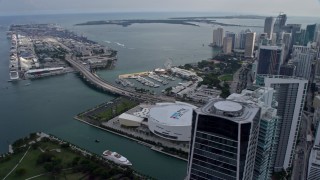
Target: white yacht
{"type": "Point", "coordinates": [115, 157]}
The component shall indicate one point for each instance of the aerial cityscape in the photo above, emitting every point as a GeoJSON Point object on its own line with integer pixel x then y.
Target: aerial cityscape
{"type": "Point", "coordinates": [180, 93]}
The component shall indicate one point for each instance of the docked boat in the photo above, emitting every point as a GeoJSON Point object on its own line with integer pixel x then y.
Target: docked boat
{"type": "Point", "coordinates": [115, 157]}
{"type": "Point", "coordinates": [38, 73]}
{"type": "Point", "coordinates": [14, 75]}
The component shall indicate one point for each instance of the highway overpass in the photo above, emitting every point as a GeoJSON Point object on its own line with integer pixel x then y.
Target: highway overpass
{"type": "Point", "coordinates": [108, 87]}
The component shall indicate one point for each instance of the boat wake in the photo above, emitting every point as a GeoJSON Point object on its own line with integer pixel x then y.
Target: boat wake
{"type": "Point", "coordinates": [119, 44]}
{"type": "Point", "coordinates": [108, 42]}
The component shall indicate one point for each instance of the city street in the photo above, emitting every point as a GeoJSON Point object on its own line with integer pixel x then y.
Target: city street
{"type": "Point", "coordinates": [300, 163]}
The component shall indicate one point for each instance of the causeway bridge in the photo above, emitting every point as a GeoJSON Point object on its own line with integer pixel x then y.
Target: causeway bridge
{"type": "Point", "coordinates": [108, 87]}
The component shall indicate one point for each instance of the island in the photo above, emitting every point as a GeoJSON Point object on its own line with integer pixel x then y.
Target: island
{"type": "Point", "coordinates": [189, 21]}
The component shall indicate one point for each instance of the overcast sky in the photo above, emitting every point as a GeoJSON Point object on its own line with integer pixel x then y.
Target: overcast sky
{"type": "Point", "coordinates": [266, 7]}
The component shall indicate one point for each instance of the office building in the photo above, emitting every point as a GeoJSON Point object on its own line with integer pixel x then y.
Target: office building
{"type": "Point", "coordinates": [270, 59]}
{"type": "Point", "coordinates": [294, 29]}
{"type": "Point", "coordinates": [288, 69]}
{"type": "Point", "coordinates": [316, 33]}
{"type": "Point", "coordinates": [286, 41]}
{"type": "Point", "coordinates": [224, 141]}
{"type": "Point", "coordinates": [242, 40]}
{"type": "Point", "coordinates": [218, 35]}
{"type": "Point", "coordinates": [316, 115]}
{"type": "Point", "coordinates": [249, 45]}
{"type": "Point", "coordinates": [263, 39]}
{"type": "Point", "coordinates": [312, 33]}
{"type": "Point", "coordinates": [273, 41]}
{"type": "Point", "coordinates": [290, 94]}
{"type": "Point", "coordinates": [268, 26]}
{"type": "Point", "coordinates": [314, 159]}
{"type": "Point", "coordinates": [268, 133]}
{"type": "Point", "coordinates": [280, 24]}
{"type": "Point", "coordinates": [227, 45]}
{"type": "Point", "coordinates": [303, 57]}
{"type": "Point", "coordinates": [301, 36]}
{"type": "Point", "coordinates": [317, 38]}
{"type": "Point", "coordinates": [314, 164]}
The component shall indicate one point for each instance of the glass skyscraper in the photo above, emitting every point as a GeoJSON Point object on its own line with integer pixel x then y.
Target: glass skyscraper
{"type": "Point", "coordinates": [224, 141]}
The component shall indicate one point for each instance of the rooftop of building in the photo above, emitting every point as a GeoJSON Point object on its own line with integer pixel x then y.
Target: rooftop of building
{"type": "Point", "coordinates": [172, 114]}
{"type": "Point", "coordinates": [315, 156]}
{"type": "Point", "coordinates": [236, 111]}
{"type": "Point", "coordinates": [267, 47]}
{"type": "Point", "coordinates": [280, 77]}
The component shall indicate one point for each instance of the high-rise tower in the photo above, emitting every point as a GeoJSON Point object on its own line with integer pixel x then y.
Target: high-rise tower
{"type": "Point", "coordinates": [268, 132]}
{"type": "Point", "coordinates": [227, 45]}
{"type": "Point", "coordinates": [303, 57]}
{"type": "Point", "coordinates": [224, 140]}
{"type": "Point", "coordinates": [270, 59]}
{"type": "Point", "coordinates": [218, 35]}
{"type": "Point", "coordinates": [268, 26]}
{"type": "Point", "coordinates": [290, 93]}
{"type": "Point", "coordinates": [249, 45]}
{"type": "Point", "coordinates": [280, 23]}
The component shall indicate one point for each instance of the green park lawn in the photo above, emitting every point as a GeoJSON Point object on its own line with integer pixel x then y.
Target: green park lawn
{"type": "Point", "coordinates": [116, 110]}
{"type": "Point", "coordinates": [29, 163]}
{"type": "Point", "coordinates": [226, 77]}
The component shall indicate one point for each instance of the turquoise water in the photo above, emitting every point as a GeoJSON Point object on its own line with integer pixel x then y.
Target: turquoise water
{"type": "Point", "coordinates": [49, 104]}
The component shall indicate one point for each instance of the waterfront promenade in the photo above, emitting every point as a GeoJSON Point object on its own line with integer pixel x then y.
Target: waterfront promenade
{"type": "Point", "coordinates": [108, 87]}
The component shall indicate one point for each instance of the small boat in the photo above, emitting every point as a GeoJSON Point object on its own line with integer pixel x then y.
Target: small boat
{"type": "Point", "coordinates": [115, 157]}
{"type": "Point", "coordinates": [97, 141]}
{"type": "Point", "coordinates": [27, 84]}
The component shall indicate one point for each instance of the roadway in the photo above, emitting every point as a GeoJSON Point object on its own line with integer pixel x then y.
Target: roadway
{"type": "Point", "coordinates": [303, 148]}
{"type": "Point", "coordinates": [106, 86]}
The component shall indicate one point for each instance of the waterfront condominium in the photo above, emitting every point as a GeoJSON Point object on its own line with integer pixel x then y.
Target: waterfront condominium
{"type": "Point", "coordinates": [227, 45]}
{"type": "Point", "coordinates": [268, 132]}
{"type": "Point", "coordinates": [290, 94]}
{"type": "Point", "coordinates": [233, 36]}
{"type": "Point", "coordinates": [224, 141]}
{"type": "Point", "coordinates": [218, 35]}
{"type": "Point", "coordinates": [249, 44]}
{"type": "Point", "coordinates": [268, 26]}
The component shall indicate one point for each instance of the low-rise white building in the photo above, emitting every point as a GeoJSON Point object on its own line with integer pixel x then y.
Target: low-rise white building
{"type": "Point", "coordinates": [314, 164]}
{"type": "Point", "coordinates": [183, 73]}
{"type": "Point", "coordinates": [130, 120]}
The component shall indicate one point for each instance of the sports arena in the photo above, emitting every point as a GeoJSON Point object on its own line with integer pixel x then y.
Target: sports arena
{"type": "Point", "coordinates": [171, 120]}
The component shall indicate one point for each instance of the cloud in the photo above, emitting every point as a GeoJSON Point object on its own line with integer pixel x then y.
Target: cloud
{"type": "Point", "coordinates": [291, 7]}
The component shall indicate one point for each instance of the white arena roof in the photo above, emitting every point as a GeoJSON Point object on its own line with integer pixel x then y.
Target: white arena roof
{"type": "Point", "coordinates": [172, 114]}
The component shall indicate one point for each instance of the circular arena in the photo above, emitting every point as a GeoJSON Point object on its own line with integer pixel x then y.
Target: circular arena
{"type": "Point", "coordinates": [171, 120]}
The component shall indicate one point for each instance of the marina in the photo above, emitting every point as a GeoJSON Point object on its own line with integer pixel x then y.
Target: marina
{"type": "Point", "coordinates": [146, 82]}
{"type": "Point", "coordinates": [124, 82]}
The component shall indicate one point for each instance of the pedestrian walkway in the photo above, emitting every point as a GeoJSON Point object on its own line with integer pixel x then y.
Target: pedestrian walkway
{"type": "Point", "coordinates": [17, 163]}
